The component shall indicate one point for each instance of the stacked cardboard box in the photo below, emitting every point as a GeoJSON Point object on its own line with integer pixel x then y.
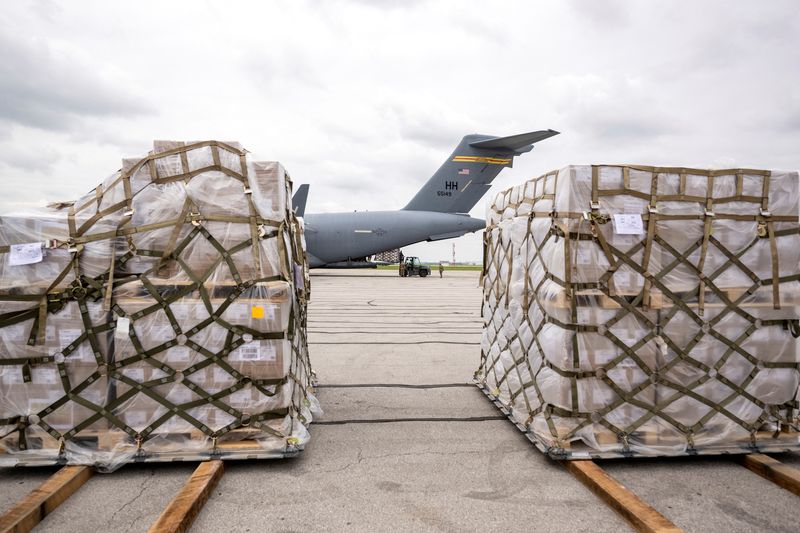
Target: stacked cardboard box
{"type": "Point", "coordinates": [161, 316]}
{"type": "Point", "coordinates": [642, 310]}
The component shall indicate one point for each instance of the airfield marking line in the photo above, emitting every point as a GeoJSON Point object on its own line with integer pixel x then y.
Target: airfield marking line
{"type": "Point", "coordinates": [408, 419]}
{"type": "Point", "coordinates": [40, 502]}
{"type": "Point", "coordinates": [781, 474]}
{"type": "Point", "coordinates": [187, 504]}
{"type": "Point", "coordinates": [638, 514]}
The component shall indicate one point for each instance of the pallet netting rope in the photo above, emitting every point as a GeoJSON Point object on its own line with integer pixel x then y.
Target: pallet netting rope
{"type": "Point", "coordinates": [497, 256]}
{"type": "Point", "coordinates": [84, 289]}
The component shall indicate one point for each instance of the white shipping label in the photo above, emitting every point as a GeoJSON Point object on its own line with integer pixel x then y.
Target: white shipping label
{"type": "Point", "coordinates": [123, 327]}
{"type": "Point", "coordinates": [627, 224]}
{"type": "Point", "coordinates": [25, 254]}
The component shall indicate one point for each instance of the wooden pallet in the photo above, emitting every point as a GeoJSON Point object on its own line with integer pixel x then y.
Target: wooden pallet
{"type": "Point", "coordinates": [765, 442]}
{"type": "Point", "coordinates": [164, 447]}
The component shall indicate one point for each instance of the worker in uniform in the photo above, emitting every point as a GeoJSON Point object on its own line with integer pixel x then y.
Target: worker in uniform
{"type": "Point", "coordinates": [441, 269]}
{"type": "Point", "coordinates": [401, 258]}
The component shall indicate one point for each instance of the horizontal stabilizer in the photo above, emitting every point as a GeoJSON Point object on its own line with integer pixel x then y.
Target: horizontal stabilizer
{"type": "Point", "coordinates": [515, 142]}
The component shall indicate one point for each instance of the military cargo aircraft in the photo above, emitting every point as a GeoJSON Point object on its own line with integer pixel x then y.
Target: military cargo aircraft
{"type": "Point", "coordinates": [438, 211]}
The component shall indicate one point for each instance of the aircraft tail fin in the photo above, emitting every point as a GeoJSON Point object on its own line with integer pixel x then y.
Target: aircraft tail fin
{"type": "Point", "coordinates": [467, 174]}
{"type": "Point", "coordinates": [299, 200]}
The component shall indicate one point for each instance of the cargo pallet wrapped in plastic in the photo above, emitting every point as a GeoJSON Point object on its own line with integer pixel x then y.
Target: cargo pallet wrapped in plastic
{"type": "Point", "coordinates": [161, 317]}
{"type": "Point", "coordinates": [641, 311]}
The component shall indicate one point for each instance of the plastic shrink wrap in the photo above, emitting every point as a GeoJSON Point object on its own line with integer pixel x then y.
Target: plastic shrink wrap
{"type": "Point", "coordinates": [645, 311]}
{"type": "Point", "coordinates": [160, 317]}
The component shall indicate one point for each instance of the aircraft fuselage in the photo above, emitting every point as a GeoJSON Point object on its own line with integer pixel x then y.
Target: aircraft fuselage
{"type": "Point", "coordinates": [337, 237]}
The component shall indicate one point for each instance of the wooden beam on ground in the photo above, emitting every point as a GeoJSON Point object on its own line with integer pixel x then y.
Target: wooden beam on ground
{"type": "Point", "coordinates": [781, 474]}
{"type": "Point", "coordinates": [184, 508]}
{"type": "Point", "coordinates": [42, 501]}
{"type": "Point", "coordinates": [640, 515]}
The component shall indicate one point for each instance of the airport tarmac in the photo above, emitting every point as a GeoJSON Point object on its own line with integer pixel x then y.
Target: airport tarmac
{"type": "Point", "coordinates": [391, 354]}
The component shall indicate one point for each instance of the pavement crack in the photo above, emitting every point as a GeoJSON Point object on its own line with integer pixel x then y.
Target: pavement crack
{"type": "Point", "coordinates": [142, 488]}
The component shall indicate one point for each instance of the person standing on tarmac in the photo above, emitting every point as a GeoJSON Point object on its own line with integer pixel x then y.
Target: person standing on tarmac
{"type": "Point", "coordinates": [441, 269]}
{"type": "Point", "coordinates": [401, 258]}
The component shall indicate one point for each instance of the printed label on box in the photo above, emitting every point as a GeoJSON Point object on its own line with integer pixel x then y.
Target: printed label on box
{"type": "Point", "coordinates": [67, 336]}
{"type": "Point", "coordinates": [50, 334]}
{"type": "Point", "coordinates": [237, 311]}
{"type": "Point", "coordinates": [241, 397]}
{"type": "Point", "coordinates": [179, 395]}
{"type": "Point", "coordinates": [627, 364]}
{"type": "Point", "coordinates": [221, 375]}
{"type": "Point", "coordinates": [257, 311]}
{"type": "Point", "coordinates": [179, 354]}
{"type": "Point", "coordinates": [627, 224]}
{"type": "Point", "coordinates": [83, 353]}
{"type": "Point", "coordinates": [11, 375]}
{"type": "Point", "coordinates": [161, 334]}
{"type": "Point", "coordinates": [632, 205]}
{"type": "Point", "coordinates": [47, 376]}
{"type": "Point", "coordinates": [13, 333]}
{"type": "Point", "coordinates": [134, 418]}
{"type": "Point", "coordinates": [268, 352]}
{"type": "Point", "coordinates": [94, 396]}
{"type": "Point", "coordinates": [136, 374]}
{"type": "Point", "coordinates": [180, 312]}
{"type": "Point", "coordinates": [25, 254]}
{"type": "Point", "coordinates": [249, 352]}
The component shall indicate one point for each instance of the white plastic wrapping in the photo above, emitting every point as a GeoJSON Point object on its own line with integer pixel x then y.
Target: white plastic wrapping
{"type": "Point", "coordinates": [160, 317]}
{"type": "Point", "coordinates": [657, 333]}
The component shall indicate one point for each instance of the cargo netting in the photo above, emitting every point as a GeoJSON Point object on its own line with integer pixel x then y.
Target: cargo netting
{"type": "Point", "coordinates": [633, 310]}
{"type": "Point", "coordinates": [160, 317]}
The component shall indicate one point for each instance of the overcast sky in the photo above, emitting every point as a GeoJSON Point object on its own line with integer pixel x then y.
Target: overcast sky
{"type": "Point", "coordinates": [364, 100]}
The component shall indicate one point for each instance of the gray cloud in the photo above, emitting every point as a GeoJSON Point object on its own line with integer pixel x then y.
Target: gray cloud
{"type": "Point", "coordinates": [364, 100]}
{"type": "Point", "coordinates": [50, 89]}
{"type": "Point", "coordinates": [33, 158]}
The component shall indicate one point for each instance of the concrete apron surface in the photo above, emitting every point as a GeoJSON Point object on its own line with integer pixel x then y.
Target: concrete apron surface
{"type": "Point", "coordinates": [390, 354]}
